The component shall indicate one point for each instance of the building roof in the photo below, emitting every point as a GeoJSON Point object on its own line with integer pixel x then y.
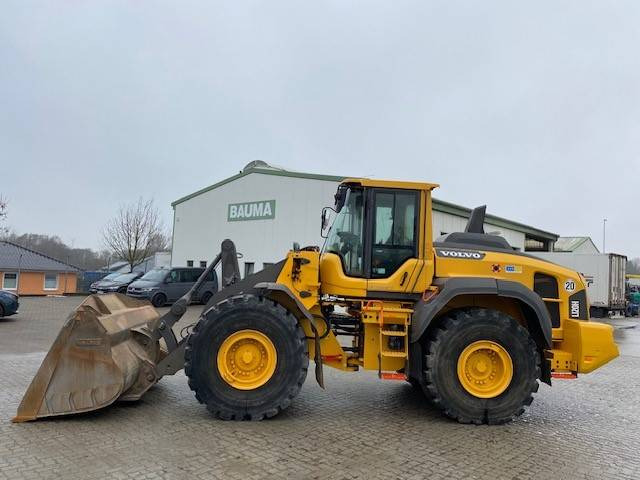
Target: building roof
{"type": "Point", "coordinates": [263, 168]}
{"type": "Point", "coordinates": [571, 244]}
{"type": "Point", "coordinates": [257, 167]}
{"type": "Point", "coordinates": [14, 257]}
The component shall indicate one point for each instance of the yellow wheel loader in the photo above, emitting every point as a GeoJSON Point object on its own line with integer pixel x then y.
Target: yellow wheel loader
{"type": "Point", "coordinates": [467, 319]}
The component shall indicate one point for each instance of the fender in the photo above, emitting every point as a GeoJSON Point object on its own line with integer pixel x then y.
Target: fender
{"type": "Point", "coordinates": [284, 296]}
{"type": "Point", "coordinates": [281, 294]}
{"type": "Point", "coordinates": [538, 319]}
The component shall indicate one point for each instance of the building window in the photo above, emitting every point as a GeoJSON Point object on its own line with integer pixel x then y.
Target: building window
{"type": "Point", "coordinates": [10, 281]}
{"type": "Point", "coordinates": [248, 269]}
{"type": "Point", "coordinates": [203, 264]}
{"type": "Point", "coordinates": [267, 264]}
{"type": "Point", "coordinates": [50, 281]}
{"type": "Point", "coordinates": [189, 263]}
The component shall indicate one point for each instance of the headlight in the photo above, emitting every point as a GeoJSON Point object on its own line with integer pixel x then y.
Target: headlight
{"type": "Point", "coordinates": [150, 289]}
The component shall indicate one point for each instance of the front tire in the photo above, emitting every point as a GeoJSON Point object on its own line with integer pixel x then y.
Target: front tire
{"type": "Point", "coordinates": [246, 358]}
{"type": "Point", "coordinates": [481, 366]}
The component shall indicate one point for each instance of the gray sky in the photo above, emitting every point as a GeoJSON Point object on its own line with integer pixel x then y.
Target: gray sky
{"type": "Point", "coordinates": [532, 108]}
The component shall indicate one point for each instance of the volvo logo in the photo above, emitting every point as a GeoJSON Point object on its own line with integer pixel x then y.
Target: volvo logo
{"type": "Point", "coordinates": [467, 254]}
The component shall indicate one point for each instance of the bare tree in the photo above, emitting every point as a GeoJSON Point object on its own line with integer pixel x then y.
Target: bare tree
{"type": "Point", "coordinates": [135, 233]}
{"type": "Point", "coordinates": [4, 205]}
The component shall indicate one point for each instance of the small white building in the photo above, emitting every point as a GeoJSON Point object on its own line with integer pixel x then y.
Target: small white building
{"type": "Point", "coordinates": [575, 245]}
{"type": "Point", "coordinates": [264, 210]}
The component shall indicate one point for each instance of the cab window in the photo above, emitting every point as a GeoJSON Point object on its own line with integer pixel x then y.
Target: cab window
{"type": "Point", "coordinates": [394, 231]}
{"type": "Point", "coordinates": [345, 238]}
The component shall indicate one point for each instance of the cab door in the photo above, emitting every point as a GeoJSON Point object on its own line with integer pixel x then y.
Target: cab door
{"type": "Point", "coordinates": [394, 256]}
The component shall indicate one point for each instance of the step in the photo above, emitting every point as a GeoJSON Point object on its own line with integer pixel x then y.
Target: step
{"type": "Point", "coordinates": [395, 354]}
{"type": "Point", "coordinates": [393, 333]}
{"type": "Point", "coordinates": [392, 376]}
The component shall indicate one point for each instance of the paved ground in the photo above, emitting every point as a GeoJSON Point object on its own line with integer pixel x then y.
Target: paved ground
{"type": "Point", "coordinates": [359, 428]}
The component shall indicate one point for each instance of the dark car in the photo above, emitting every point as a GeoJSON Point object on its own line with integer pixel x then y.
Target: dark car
{"type": "Point", "coordinates": [8, 303]}
{"type": "Point", "coordinates": [166, 285]}
{"type": "Point", "coordinates": [118, 284]}
{"type": "Point", "coordinates": [93, 288]}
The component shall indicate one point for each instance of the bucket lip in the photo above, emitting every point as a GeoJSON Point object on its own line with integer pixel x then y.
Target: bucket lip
{"type": "Point", "coordinates": [23, 418]}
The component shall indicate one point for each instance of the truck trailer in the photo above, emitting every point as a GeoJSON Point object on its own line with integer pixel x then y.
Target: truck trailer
{"type": "Point", "coordinates": [604, 274]}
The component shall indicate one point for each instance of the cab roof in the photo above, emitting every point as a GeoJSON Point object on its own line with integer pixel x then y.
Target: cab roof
{"type": "Point", "coordinates": [368, 182]}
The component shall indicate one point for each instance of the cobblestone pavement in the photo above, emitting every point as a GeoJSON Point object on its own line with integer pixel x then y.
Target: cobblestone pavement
{"type": "Point", "coordinates": [358, 428]}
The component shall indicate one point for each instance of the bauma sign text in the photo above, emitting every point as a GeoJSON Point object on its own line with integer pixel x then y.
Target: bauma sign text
{"type": "Point", "coordinates": [261, 210]}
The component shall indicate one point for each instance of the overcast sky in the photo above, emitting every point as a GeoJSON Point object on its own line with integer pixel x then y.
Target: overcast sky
{"type": "Point", "coordinates": [530, 107]}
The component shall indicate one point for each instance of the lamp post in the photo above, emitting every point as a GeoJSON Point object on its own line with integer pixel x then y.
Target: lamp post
{"type": "Point", "coordinates": [604, 234]}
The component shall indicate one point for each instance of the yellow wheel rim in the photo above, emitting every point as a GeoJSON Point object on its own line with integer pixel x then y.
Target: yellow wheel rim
{"type": "Point", "coordinates": [247, 359]}
{"type": "Point", "coordinates": [485, 369]}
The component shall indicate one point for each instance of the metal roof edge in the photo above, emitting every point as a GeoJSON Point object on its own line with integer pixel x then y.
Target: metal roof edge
{"type": "Point", "coordinates": [46, 270]}
{"type": "Point", "coordinates": [452, 208]}
{"type": "Point", "coordinates": [278, 173]}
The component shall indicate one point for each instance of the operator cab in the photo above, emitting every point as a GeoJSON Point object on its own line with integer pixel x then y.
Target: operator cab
{"type": "Point", "coordinates": [376, 228]}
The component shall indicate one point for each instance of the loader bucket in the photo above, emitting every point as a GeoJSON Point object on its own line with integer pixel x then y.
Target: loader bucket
{"type": "Point", "coordinates": [104, 352]}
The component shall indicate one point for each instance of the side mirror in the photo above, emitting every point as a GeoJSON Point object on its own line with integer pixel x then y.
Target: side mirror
{"type": "Point", "coordinates": [324, 221]}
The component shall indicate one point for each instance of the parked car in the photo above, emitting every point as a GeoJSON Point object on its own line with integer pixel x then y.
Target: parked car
{"type": "Point", "coordinates": [119, 284]}
{"type": "Point", "coordinates": [8, 303]}
{"type": "Point", "coordinates": [166, 285]}
{"type": "Point", "coordinates": [93, 288]}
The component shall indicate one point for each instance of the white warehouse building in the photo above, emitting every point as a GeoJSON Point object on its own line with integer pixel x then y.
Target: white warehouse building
{"type": "Point", "coordinates": [264, 210]}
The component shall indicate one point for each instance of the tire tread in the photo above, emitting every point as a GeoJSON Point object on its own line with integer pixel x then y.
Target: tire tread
{"type": "Point", "coordinates": [453, 321]}
{"type": "Point", "coordinates": [295, 332]}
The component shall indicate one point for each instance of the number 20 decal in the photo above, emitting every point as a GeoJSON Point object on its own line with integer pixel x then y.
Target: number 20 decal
{"type": "Point", "coordinates": [569, 285]}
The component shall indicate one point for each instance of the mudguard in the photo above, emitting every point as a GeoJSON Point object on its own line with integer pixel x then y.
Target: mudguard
{"type": "Point", "coordinates": [284, 296]}
{"type": "Point", "coordinates": [538, 318]}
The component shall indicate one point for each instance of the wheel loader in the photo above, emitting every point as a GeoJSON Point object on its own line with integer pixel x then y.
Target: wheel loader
{"type": "Point", "coordinates": [467, 319]}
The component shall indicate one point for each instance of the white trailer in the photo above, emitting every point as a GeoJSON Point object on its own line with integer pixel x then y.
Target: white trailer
{"type": "Point", "coordinates": [604, 274]}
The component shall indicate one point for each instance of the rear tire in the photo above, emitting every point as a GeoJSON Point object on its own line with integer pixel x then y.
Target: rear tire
{"type": "Point", "coordinates": [229, 318]}
{"type": "Point", "coordinates": [158, 300]}
{"type": "Point", "coordinates": [458, 332]}
{"type": "Point", "coordinates": [1, 311]}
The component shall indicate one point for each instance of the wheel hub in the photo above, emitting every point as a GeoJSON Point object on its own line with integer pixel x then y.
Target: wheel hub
{"type": "Point", "coordinates": [485, 369]}
{"type": "Point", "coordinates": [247, 359]}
